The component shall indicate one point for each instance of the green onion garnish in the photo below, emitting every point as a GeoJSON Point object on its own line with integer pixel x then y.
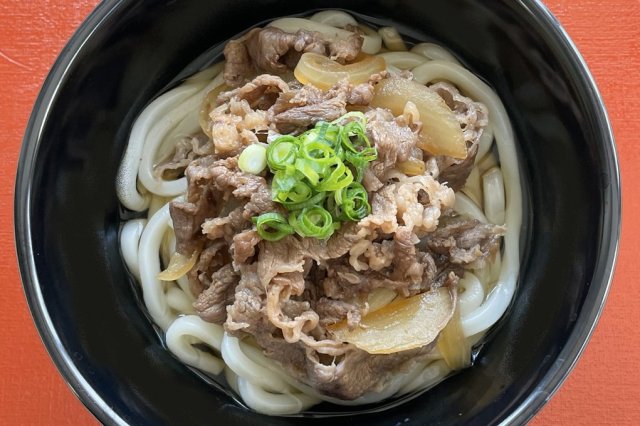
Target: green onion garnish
{"type": "Point", "coordinates": [316, 177]}
{"type": "Point", "coordinates": [272, 226]}
{"type": "Point", "coordinates": [312, 222]}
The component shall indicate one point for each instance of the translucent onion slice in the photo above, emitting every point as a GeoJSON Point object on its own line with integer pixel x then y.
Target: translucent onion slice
{"type": "Point", "coordinates": [453, 345]}
{"type": "Point", "coordinates": [401, 325]}
{"type": "Point", "coordinates": [411, 167]}
{"type": "Point", "coordinates": [323, 73]}
{"type": "Point", "coordinates": [379, 298]}
{"type": "Point", "coordinates": [441, 133]}
{"type": "Point", "coordinates": [178, 266]}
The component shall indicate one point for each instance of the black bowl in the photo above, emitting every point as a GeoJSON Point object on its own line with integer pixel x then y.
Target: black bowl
{"type": "Point", "coordinates": [67, 214]}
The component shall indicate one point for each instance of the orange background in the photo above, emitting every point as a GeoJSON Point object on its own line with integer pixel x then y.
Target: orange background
{"type": "Point", "coordinates": [603, 389]}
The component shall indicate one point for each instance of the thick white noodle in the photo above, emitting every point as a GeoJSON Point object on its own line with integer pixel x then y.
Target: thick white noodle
{"type": "Point", "coordinates": [155, 203]}
{"type": "Point", "coordinates": [334, 18]}
{"type": "Point", "coordinates": [179, 301]}
{"type": "Point", "coordinates": [273, 404]}
{"type": "Point", "coordinates": [183, 281]}
{"type": "Point", "coordinates": [486, 141]}
{"type": "Point", "coordinates": [403, 60]}
{"type": "Point", "coordinates": [190, 329]}
{"type": "Point", "coordinates": [430, 376]}
{"type": "Point", "coordinates": [152, 288]}
{"type": "Point", "coordinates": [126, 179]}
{"type": "Point", "coordinates": [129, 240]}
{"type": "Point", "coordinates": [434, 52]}
{"type": "Point", "coordinates": [244, 367]}
{"type": "Point", "coordinates": [371, 44]}
{"type": "Point", "coordinates": [499, 299]}
{"type": "Point", "coordinates": [493, 188]}
{"type": "Point", "coordinates": [399, 380]}
{"type": "Point", "coordinates": [472, 294]}
{"type": "Point", "coordinates": [231, 378]}
{"type": "Point", "coordinates": [184, 118]}
{"type": "Point", "coordinates": [464, 205]}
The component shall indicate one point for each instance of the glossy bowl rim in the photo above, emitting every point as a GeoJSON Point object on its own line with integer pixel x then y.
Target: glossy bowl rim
{"type": "Point", "coordinates": [548, 385]}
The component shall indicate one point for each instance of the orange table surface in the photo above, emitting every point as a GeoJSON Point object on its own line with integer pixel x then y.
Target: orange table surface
{"type": "Point", "coordinates": [604, 387]}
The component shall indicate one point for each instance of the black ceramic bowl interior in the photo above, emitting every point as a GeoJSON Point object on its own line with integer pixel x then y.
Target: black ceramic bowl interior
{"type": "Point", "coordinates": [67, 213]}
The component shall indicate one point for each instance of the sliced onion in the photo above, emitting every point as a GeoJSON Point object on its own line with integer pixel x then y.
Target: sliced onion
{"type": "Point", "coordinates": [401, 325]}
{"type": "Point", "coordinates": [411, 167]}
{"type": "Point", "coordinates": [323, 73]}
{"type": "Point", "coordinates": [493, 189]}
{"type": "Point", "coordinates": [178, 266]}
{"type": "Point", "coordinates": [441, 133]}
{"type": "Point", "coordinates": [453, 345]}
{"type": "Point", "coordinates": [379, 298]}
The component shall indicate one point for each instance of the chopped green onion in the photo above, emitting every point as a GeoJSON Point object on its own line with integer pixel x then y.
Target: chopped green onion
{"type": "Point", "coordinates": [353, 137]}
{"type": "Point", "coordinates": [310, 169]}
{"type": "Point", "coordinates": [352, 202]}
{"type": "Point", "coordinates": [358, 115]}
{"type": "Point", "coordinates": [339, 177]}
{"type": "Point", "coordinates": [282, 152]}
{"type": "Point", "coordinates": [312, 222]}
{"type": "Point", "coordinates": [314, 200]}
{"type": "Point", "coordinates": [283, 181]}
{"type": "Point", "coordinates": [313, 178]}
{"type": "Point", "coordinates": [253, 159]}
{"type": "Point", "coordinates": [272, 226]}
{"type": "Point", "coordinates": [318, 151]}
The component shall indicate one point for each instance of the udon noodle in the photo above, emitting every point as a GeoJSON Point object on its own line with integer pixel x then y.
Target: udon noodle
{"type": "Point", "coordinates": [491, 195]}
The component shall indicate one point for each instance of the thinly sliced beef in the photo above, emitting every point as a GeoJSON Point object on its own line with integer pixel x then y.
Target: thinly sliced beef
{"type": "Point", "coordinates": [260, 93]}
{"type": "Point", "coordinates": [464, 241]}
{"type": "Point", "coordinates": [406, 263]}
{"type": "Point", "coordinates": [247, 313]}
{"type": "Point", "coordinates": [393, 141]}
{"type": "Point", "coordinates": [244, 245]}
{"type": "Point", "coordinates": [473, 118]}
{"type": "Point", "coordinates": [300, 117]}
{"type": "Point", "coordinates": [211, 304]}
{"type": "Point", "coordinates": [332, 311]}
{"type": "Point", "coordinates": [183, 154]}
{"type": "Point", "coordinates": [210, 259]}
{"type": "Point", "coordinates": [187, 218]}
{"type": "Point", "coordinates": [455, 172]}
{"type": "Point", "coordinates": [359, 372]}
{"type": "Point", "coordinates": [414, 202]}
{"type": "Point", "coordinates": [224, 177]}
{"type": "Point", "coordinates": [274, 51]}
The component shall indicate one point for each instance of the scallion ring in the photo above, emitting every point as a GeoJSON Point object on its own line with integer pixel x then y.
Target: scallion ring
{"type": "Point", "coordinates": [272, 226]}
